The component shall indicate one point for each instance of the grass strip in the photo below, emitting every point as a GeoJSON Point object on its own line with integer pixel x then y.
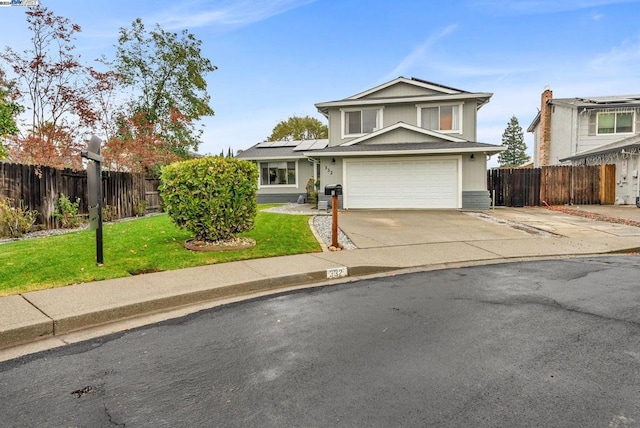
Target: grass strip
{"type": "Point", "coordinates": [133, 247]}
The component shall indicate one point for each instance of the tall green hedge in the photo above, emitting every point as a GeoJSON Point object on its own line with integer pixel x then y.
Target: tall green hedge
{"type": "Point", "coordinates": [212, 197]}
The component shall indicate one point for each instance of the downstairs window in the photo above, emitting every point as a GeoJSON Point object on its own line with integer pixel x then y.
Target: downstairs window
{"type": "Point", "coordinates": [281, 173]}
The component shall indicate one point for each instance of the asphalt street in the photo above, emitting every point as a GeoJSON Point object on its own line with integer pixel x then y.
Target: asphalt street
{"type": "Point", "coordinates": [544, 343]}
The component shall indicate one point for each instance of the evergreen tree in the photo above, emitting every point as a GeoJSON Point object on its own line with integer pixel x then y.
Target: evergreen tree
{"type": "Point", "coordinates": [513, 140]}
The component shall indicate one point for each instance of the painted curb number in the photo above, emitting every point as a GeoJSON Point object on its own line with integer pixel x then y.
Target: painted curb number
{"type": "Point", "coordinates": [338, 272]}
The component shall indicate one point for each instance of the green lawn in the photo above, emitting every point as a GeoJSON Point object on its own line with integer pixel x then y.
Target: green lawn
{"type": "Point", "coordinates": [148, 244]}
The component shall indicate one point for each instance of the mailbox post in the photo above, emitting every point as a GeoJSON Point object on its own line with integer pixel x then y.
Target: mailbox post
{"type": "Point", "coordinates": [94, 190]}
{"type": "Point", "coordinates": [334, 190]}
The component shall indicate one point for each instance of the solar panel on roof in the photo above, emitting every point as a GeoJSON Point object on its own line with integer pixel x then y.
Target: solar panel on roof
{"type": "Point", "coordinates": [304, 145]}
{"type": "Point", "coordinates": [319, 144]}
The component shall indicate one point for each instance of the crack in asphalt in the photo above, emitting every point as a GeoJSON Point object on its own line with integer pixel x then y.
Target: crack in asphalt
{"type": "Point", "coordinates": [549, 303]}
{"type": "Point", "coordinates": [110, 418]}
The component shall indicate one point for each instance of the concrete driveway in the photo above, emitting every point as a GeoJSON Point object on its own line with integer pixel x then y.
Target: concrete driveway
{"type": "Point", "coordinates": [385, 228]}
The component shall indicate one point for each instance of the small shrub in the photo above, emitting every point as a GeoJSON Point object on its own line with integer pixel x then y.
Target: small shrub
{"type": "Point", "coordinates": [313, 198]}
{"type": "Point", "coordinates": [140, 208]}
{"type": "Point", "coordinates": [213, 197]}
{"type": "Point", "coordinates": [67, 212]}
{"type": "Point", "coordinates": [15, 221]}
{"type": "Point", "coordinates": [109, 213]}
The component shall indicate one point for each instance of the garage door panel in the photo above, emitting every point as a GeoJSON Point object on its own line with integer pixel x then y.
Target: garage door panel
{"type": "Point", "coordinates": [419, 183]}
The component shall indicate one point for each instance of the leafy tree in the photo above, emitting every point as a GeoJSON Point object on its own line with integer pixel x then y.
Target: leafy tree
{"type": "Point", "coordinates": [513, 139]}
{"type": "Point", "coordinates": [166, 73]}
{"type": "Point", "coordinates": [299, 128]}
{"type": "Point", "coordinates": [52, 79]}
{"type": "Point", "coordinates": [136, 145]}
{"type": "Point", "coordinates": [9, 109]}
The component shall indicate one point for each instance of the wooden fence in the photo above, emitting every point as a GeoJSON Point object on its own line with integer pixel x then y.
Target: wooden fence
{"type": "Point", "coordinates": [38, 188]}
{"type": "Point", "coordinates": [555, 185]}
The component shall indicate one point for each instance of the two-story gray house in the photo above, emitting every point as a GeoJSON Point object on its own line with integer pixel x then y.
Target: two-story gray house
{"type": "Point", "coordinates": [591, 131]}
{"type": "Point", "coordinates": [405, 144]}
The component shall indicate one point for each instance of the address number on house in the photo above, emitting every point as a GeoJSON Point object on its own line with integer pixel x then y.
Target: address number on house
{"type": "Point", "coordinates": [338, 272]}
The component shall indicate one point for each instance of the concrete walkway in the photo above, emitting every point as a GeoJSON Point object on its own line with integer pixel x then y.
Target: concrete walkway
{"type": "Point", "coordinates": [388, 241]}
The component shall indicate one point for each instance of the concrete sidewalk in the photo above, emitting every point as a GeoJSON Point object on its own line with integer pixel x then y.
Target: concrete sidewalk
{"type": "Point", "coordinates": [387, 241]}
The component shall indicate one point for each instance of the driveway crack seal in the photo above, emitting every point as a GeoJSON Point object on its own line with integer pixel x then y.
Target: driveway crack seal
{"type": "Point", "coordinates": [500, 256]}
{"type": "Point", "coordinates": [53, 322]}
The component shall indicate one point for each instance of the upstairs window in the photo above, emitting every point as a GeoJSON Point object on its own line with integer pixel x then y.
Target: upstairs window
{"type": "Point", "coordinates": [277, 173]}
{"type": "Point", "coordinates": [615, 123]}
{"type": "Point", "coordinates": [358, 122]}
{"type": "Point", "coordinates": [445, 118]}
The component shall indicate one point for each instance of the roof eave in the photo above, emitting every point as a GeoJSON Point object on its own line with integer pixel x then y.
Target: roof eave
{"type": "Point", "coordinates": [453, 150]}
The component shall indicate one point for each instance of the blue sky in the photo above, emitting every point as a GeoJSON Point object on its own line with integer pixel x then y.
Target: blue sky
{"type": "Point", "coordinates": [277, 58]}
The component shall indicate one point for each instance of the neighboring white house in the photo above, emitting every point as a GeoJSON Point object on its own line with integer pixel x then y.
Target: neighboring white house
{"type": "Point", "coordinates": [407, 143]}
{"type": "Point", "coordinates": [591, 131]}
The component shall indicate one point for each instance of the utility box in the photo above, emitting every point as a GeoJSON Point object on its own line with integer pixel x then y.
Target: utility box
{"type": "Point", "coordinates": [333, 190]}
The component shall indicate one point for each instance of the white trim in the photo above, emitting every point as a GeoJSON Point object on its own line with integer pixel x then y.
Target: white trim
{"type": "Point", "coordinates": [633, 122]}
{"type": "Point", "coordinates": [379, 120]}
{"type": "Point", "coordinates": [460, 105]}
{"type": "Point", "coordinates": [422, 98]}
{"type": "Point", "coordinates": [407, 127]}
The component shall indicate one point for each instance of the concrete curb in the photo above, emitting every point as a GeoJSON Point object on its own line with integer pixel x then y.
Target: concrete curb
{"type": "Point", "coordinates": [39, 317]}
{"type": "Point", "coordinates": [40, 325]}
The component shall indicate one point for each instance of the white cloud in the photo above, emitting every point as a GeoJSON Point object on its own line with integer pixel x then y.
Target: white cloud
{"type": "Point", "coordinates": [420, 53]}
{"type": "Point", "coordinates": [233, 13]}
{"type": "Point", "coordinates": [622, 59]}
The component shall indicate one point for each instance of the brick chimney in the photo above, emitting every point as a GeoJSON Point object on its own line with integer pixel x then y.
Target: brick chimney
{"type": "Point", "coordinates": [545, 127]}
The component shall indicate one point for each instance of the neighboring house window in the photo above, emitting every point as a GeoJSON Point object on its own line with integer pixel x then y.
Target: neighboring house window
{"type": "Point", "coordinates": [358, 122]}
{"type": "Point", "coordinates": [615, 123]}
{"type": "Point", "coordinates": [277, 173]}
{"type": "Point", "coordinates": [446, 118]}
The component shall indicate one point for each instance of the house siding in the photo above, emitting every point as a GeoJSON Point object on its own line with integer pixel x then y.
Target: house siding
{"type": "Point", "coordinates": [588, 142]}
{"type": "Point", "coordinates": [401, 90]}
{"type": "Point", "coordinates": [570, 133]}
{"type": "Point", "coordinates": [400, 136]}
{"type": "Point", "coordinates": [562, 133]}
{"type": "Point", "coordinates": [407, 113]}
{"type": "Point", "coordinates": [474, 173]}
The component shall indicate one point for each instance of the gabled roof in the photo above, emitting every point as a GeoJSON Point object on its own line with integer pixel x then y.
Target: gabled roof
{"type": "Point", "coordinates": [632, 142]}
{"type": "Point", "coordinates": [442, 93]}
{"type": "Point", "coordinates": [403, 125]}
{"type": "Point", "coordinates": [413, 81]}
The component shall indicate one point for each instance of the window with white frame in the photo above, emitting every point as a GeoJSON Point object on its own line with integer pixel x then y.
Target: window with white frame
{"type": "Point", "coordinates": [364, 121]}
{"type": "Point", "coordinates": [444, 118]}
{"type": "Point", "coordinates": [279, 173]}
{"type": "Point", "coordinates": [615, 122]}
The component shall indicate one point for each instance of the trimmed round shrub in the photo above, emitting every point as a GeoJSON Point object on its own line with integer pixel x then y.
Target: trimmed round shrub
{"type": "Point", "coordinates": [212, 197]}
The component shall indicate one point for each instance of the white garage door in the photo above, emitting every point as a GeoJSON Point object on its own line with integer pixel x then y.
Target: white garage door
{"type": "Point", "coordinates": [401, 183]}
